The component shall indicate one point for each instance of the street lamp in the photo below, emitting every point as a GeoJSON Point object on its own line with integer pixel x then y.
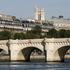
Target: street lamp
{"type": "Point", "coordinates": [44, 49]}
{"type": "Point", "coordinates": [9, 53]}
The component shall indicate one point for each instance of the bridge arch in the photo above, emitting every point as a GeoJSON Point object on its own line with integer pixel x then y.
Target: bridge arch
{"type": "Point", "coordinates": [2, 51]}
{"type": "Point", "coordinates": [26, 52]}
{"type": "Point", "coordinates": [61, 52]}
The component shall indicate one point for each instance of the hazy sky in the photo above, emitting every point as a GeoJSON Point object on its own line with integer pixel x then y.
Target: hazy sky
{"type": "Point", "coordinates": [25, 8]}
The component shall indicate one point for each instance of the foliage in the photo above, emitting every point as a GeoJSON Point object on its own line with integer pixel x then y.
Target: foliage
{"type": "Point", "coordinates": [19, 36]}
{"type": "Point", "coordinates": [58, 34]}
{"type": "Point", "coordinates": [36, 32]}
{"type": "Point", "coordinates": [4, 35]}
{"type": "Point", "coordinates": [52, 33]}
{"type": "Point", "coordinates": [62, 33]}
{"type": "Point", "coordinates": [68, 33]}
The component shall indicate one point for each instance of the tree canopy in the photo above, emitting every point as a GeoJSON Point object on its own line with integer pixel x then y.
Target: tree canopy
{"type": "Point", "coordinates": [36, 32]}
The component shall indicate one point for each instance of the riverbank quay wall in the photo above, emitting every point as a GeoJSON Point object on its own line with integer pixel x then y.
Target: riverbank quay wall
{"type": "Point", "coordinates": [55, 48]}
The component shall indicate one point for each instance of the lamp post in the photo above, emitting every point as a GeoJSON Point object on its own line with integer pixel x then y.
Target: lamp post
{"type": "Point", "coordinates": [9, 53]}
{"type": "Point", "coordinates": [44, 48]}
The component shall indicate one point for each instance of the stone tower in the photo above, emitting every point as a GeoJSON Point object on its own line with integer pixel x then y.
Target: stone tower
{"type": "Point", "coordinates": [40, 14]}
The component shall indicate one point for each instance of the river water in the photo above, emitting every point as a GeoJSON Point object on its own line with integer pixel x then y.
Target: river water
{"type": "Point", "coordinates": [34, 65]}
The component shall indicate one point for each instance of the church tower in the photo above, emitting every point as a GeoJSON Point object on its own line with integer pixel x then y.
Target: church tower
{"type": "Point", "coordinates": [39, 14]}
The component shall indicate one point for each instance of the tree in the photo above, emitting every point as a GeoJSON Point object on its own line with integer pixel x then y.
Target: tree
{"type": "Point", "coordinates": [19, 36]}
{"type": "Point", "coordinates": [52, 33]}
{"type": "Point", "coordinates": [34, 33]}
{"type": "Point", "coordinates": [67, 33]}
{"type": "Point", "coordinates": [37, 30]}
{"type": "Point", "coordinates": [4, 35]}
{"type": "Point", "coordinates": [62, 33]}
{"type": "Point", "coordinates": [14, 18]}
{"type": "Point", "coordinates": [29, 35]}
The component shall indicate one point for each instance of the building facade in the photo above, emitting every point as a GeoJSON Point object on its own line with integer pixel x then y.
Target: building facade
{"type": "Point", "coordinates": [60, 23]}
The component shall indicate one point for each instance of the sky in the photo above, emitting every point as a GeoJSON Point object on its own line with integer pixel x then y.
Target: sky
{"type": "Point", "coordinates": [26, 8]}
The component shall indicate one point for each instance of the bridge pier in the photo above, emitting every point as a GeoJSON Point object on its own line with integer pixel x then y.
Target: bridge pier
{"type": "Point", "coordinates": [15, 53]}
{"type": "Point", "coordinates": [51, 57]}
{"type": "Point", "coordinates": [16, 56]}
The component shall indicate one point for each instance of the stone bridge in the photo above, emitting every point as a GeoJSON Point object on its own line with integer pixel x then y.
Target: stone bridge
{"type": "Point", "coordinates": [55, 48]}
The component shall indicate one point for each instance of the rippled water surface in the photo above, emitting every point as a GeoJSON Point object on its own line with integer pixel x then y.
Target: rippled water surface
{"type": "Point", "coordinates": [34, 66]}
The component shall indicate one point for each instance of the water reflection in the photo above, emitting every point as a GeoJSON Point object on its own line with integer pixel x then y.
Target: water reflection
{"type": "Point", "coordinates": [35, 65]}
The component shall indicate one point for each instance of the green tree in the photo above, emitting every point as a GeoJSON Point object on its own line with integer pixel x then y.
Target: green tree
{"type": "Point", "coordinates": [52, 33]}
{"type": "Point", "coordinates": [28, 35]}
{"type": "Point", "coordinates": [67, 33]}
{"type": "Point", "coordinates": [34, 33]}
{"type": "Point", "coordinates": [62, 33]}
{"type": "Point", "coordinates": [4, 35]}
{"type": "Point", "coordinates": [19, 36]}
{"type": "Point", "coordinates": [37, 30]}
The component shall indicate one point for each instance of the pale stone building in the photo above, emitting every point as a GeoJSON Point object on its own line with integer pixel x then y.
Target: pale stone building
{"type": "Point", "coordinates": [60, 23]}
{"type": "Point", "coordinates": [6, 17]}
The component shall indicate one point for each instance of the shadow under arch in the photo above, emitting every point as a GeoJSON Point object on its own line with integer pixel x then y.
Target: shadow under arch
{"type": "Point", "coordinates": [27, 52]}
{"type": "Point", "coordinates": [62, 51]}
{"type": "Point", "coordinates": [3, 52]}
